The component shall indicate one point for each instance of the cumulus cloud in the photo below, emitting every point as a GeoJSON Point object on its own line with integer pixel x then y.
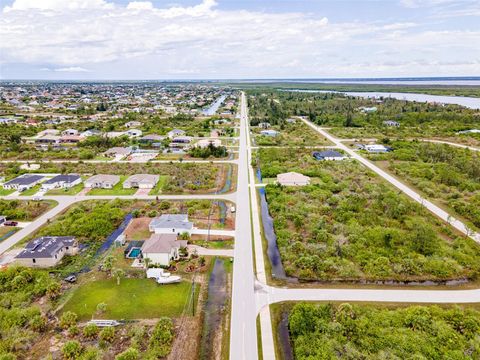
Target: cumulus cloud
{"type": "Point", "coordinates": [205, 41]}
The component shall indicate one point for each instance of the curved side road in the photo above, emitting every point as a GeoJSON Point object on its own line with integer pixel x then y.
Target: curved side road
{"type": "Point", "coordinates": [442, 214]}
{"type": "Point", "coordinates": [66, 201]}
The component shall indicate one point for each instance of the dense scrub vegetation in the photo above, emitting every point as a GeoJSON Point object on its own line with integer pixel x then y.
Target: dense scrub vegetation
{"type": "Point", "coordinates": [23, 210]}
{"type": "Point", "coordinates": [345, 115]}
{"type": "Point", "coordinates": [350, 225]}
{"type": "Point", "coordinates": [21, 321]}
{"type": "Point", "coordinates": [445, 173]}
{"type": "Point", "coordinates": [348, 331]}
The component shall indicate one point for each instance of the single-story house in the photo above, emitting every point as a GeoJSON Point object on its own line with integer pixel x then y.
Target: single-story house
{"type": "Point", "coordinates": [366, 109]}
{"type": "Point", "coordinates": [171, 224]}
{"type": "Point", "coordinates": [70, 132]}
{"type": "Point", "coordinates": [377, 148]}
{"type": "Point", "coordinates": [391, 123]}
{"type": "Point", "coordinates": [47, 251]}
{"type": "Point", "coordinates": [264, 125]}
{"type": "Point", "coordinates": [91, 132]}
{"type": "Point", "coordinates": [293, 179]}
{"type": "Point", "coordinates": [203, 143]}
{"type": "Point", "coordinates": [271, 133]}
{"type": "Point", "coordinates": [328, 155]}
{"type": "Point", "coordinates": [132, 124]}
{"type": "Point", "coordinates": [70, 139]}
{"type": "Point", "coordinates": [118, 151]}
{"type": "Point", "coordinates": [160, 249]}
{"type": "Point", "coordinates": [141, 181]}
{"type": "Point", "coordinates": [182, 139]}
{"type": "Point", "coordinates": [102, 181]}
{"type": "Point", "coordinates": [2, 219]}
{"type": "Point", "coordinates": [151, 138]}
{"type": "Point", "coordinates": [134, 133]}
{"type": "Point", "coordinates": [175, 133]}
{"type": "Point", "coordinates": [62, 181]}
{"type": "Point", "coordinates": [23, 182]}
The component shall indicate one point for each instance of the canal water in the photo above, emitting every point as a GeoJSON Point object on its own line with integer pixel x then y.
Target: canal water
{"type": "Point", "coordinates": [469, 102]}
{"type": "Point", "coordinates": [214, 309]}
{"type": "Point", "coordinates": [273, 253]}
{"type": "Point", "coordinates": [284, 337]}
{"type": "Point", "coordinates": [212, 109]}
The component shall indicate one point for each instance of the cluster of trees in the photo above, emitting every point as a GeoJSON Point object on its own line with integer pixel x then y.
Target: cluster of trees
{"type": "Point", "coordinates": [446, 173]}
{"type": "Point", "coordinates": [21, 322]}
{"type": "Point", "coordinates": [349, 225]}
{"type": "Point", "coordinates": [365, 332]}
{"type": "Point", "coordinates": [208, 151]}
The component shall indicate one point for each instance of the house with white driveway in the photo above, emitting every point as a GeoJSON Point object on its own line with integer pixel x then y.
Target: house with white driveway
{"type": "Point", "coordinates": [102, 181]}
{"type": "Point", "coordinates": [171, 224]}
{"type": "Point", "coordinates": [141, 181]}
{"type": "Point", "coordinates": [62, 181]}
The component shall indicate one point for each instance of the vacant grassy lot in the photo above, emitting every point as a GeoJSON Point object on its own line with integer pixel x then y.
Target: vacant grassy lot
{"type": "Point", "coordinates": [351, 225]}
{"type": "Point", "coordinates": [132, 299]}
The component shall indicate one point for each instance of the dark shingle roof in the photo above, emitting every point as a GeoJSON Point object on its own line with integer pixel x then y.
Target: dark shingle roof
{"type": "Point", "coordinates": [26, 179]}
{"type": "Point", "coordinates": [62, 178]}
{"type": "Point", "coordinates": [46, 246]}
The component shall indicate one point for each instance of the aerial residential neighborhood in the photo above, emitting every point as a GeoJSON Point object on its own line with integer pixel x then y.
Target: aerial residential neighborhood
{"type": "Point", "coordinates": [213, 180]}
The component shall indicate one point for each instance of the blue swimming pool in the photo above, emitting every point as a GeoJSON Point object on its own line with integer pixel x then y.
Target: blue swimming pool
{"type": "Point", "coordinates": [134, 253]}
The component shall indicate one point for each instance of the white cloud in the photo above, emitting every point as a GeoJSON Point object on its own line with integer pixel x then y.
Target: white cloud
{"type": "Point", "coordinates": [71, 69]}
{"type": "Point", "coordinates": [22, 5]}
{"type": "Point", "coordinates": [140, 5]}
{"type": "Point", "coordinates": [141, 40]}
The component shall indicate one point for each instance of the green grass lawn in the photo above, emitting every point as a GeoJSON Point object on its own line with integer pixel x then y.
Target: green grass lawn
{"type": "Point", "coordinates": [31, 191]}
{"type": "Point", "coordinates": [132, 299]}
{"type": "Point", "coordinates": [116, 190]}
{"type": "Point", "coordinates": [4, 192]}
{"type": "Point", "coordinates": [70, 191]}
{"type": "Point", "coordinates": [159, 187]}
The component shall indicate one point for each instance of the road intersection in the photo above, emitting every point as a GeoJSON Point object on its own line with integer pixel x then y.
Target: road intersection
{"type": "Point", "coordinates": [251, 294]}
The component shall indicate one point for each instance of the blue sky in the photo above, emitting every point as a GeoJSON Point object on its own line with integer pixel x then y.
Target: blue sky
{"type": "Point", "coordinates": [125, 39]}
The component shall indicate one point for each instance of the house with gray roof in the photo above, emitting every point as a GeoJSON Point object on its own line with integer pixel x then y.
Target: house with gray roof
{"type": "Point", "coordinates": [141, 181]}
{"type": "Point", "coordinates": [62, 181]}
{"type": "Point", "coordinates": [328, 155]}
{"type": "Point", "coordinates": [102, 181]}
{"type": "Point", "coordinates": [47, 251]}
{"type": "Point", "coordinates": [160, 249]}
{"type": "Point", "coordinates": [23, 182]}
{"type": "Point", "coordinates": [171, 224]}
